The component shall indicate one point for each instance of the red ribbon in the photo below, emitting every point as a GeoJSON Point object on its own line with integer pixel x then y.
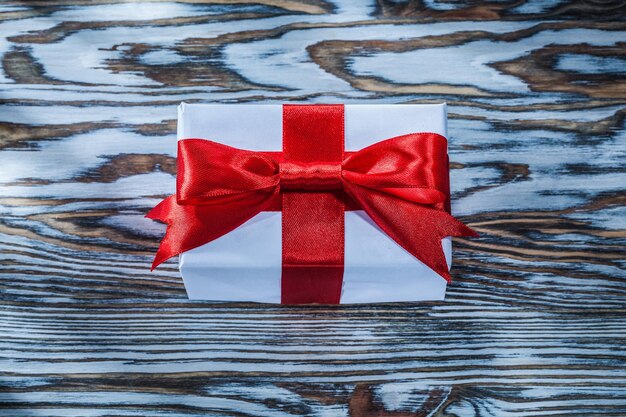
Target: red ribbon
{"type": "Point", "coordinates": [402, 183]}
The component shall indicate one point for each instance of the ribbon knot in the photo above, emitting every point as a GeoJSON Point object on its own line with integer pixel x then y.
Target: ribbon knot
{"type": "Point", "coordinates": [312, 176]}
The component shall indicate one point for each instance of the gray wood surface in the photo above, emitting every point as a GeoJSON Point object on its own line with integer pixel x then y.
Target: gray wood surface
{"type": "Point", "coordinates": [535, 321]}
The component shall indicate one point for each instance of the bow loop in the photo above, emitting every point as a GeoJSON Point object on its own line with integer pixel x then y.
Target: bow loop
{"type": "Point", "coordinates": [213, 173]}
{"type": "Point", "coordinates": [413, 167]}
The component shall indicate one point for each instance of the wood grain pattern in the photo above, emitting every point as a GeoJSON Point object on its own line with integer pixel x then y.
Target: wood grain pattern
{"type": "Point", "coordinates": [535, 322]}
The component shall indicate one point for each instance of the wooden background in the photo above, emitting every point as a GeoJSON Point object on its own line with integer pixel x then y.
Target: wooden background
{"type": "Point", "coordinates": [535, 322]}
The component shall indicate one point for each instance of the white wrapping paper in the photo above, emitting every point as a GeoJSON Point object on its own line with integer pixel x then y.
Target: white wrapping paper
{"type": "Point", "coordinates": [245, 264]}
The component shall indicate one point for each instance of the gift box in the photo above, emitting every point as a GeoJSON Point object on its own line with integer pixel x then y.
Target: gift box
{"type": "Point", "coordinates": [311, 203]}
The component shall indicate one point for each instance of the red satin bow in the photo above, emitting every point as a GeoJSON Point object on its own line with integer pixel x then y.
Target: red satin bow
{"type": "Point", "coordinates": [402, 184]}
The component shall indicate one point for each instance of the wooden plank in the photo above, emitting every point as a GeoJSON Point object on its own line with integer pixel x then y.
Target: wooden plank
{"type": "Point", "coordinates": [535, 321]}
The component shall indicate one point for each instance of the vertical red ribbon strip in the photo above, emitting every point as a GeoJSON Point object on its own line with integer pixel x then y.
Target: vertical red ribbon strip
{"type": "Point", "coordinates": [313, 219]}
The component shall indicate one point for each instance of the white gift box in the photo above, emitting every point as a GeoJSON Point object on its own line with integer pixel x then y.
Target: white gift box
{"type": "Point", "coordinates": [245, 264]}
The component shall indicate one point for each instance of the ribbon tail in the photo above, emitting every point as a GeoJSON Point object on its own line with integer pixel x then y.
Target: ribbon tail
{"type": "Point", "coordinates": [163, 212]}
{"type": "Point", "coordinates": [190, 226]}
{"type": "Point", "coordinates": [160, 211]}
{"type": "Point", "coordinates": [416, 227]}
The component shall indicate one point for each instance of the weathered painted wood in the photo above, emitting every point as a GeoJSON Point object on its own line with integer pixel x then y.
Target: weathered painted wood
{"type": "Point", "coordinates": [535, 322]}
